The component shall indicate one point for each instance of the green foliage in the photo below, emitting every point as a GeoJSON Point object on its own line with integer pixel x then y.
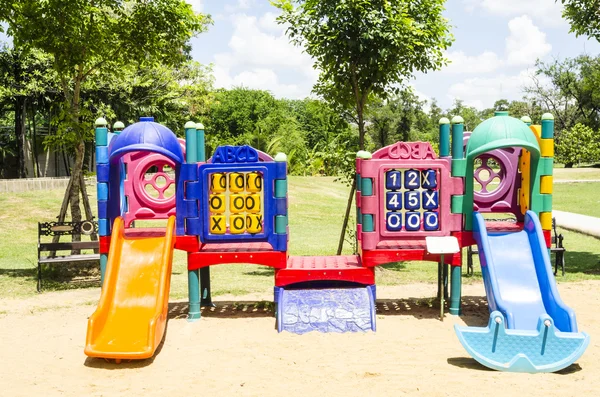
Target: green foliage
{"type": "Point", "coordinates": [365, 48]}
{"type": "Point", "coordinates": [572, 94]}
{"type": "Point", "coordinates": [577, 145]}
{"type": "Point", "coordinates": [583, 17]}
{"type": "Point", "coordinates": [471, 115]}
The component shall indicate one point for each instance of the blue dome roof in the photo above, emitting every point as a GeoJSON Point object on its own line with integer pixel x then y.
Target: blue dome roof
{"type": "Point", "coordinates": [147, 136]}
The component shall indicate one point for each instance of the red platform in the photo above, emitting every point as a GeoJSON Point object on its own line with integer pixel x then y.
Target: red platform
{"type": "Point", "coordinates": [404, 250]}
{"type": "Point", "coordinates": [256, 253]}
{"type": "Point", "coordinates": [319, 268]}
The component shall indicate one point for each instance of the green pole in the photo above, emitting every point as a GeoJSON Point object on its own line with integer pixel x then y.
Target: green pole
{"type": "Point", "coordinates": [205, 296]}
{"type": "Point", "coordinates": [193, 275]}
{"type": "Point", "coordinates": [281, 221]}
{"type": "Point", "coordinates": [526, 120]}
{"type": "Point", "coordinates": [118, 127]}
{"type": "Point", "coordinates": [458, 126]}
{"type": "Point", "coordinates": [455, 290]}
{"type": "Point", "coordinates": [440, 286]}
{"type": "Point", "coordinates": [444, 137]}
{"type": "Point", "coordinates": [194, 295]}
{"type": "Point", "coordinates": [103, 262]}
{"type": "Point", "coordinates": [456, 271]}
{"type": "Point", "coordinates": [547, 126]}
{"type": "Point", "coordinates": [191, 147]}
{"type": "Point", "coordinates": [201, 150]}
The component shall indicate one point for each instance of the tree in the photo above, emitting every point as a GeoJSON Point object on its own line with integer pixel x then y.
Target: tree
{"type": "Point", "coordinates": [568, 89]}
{"type": "Point", "coordinates": [577, 145]}
{"type": "Point", "coordinates": [468, 113]}
{"type": "Point", "coordinates": [88, 38]}
{"type": "Point", "coordinates": [583, 15]}
{"type": "Point", "coordinates": [366, 48]}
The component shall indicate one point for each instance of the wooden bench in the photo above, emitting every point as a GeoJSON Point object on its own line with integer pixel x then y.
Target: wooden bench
{"type": "Point", "coordinates": [556, 247]}
{"type": "Point", "coordinates": [47, 252]}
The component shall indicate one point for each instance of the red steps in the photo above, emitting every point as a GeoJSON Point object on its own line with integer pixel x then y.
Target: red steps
{"type": "Point", "coordinates": [324, 268]}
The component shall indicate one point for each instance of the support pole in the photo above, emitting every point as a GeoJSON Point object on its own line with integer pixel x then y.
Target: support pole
{"type": "Point", "coordinates": [191, 148]}
{"type": "Point", "coordinates": [205, 297]}
{"type": "Point", "coordinates": [444, 137]}
{"type": "Point", "coordinates": [440, 292]}
{"type": "Point", "coordinates": [455, 290]}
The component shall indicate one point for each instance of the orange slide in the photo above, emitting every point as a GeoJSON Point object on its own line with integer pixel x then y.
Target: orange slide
{"type": "Point", "coordinates": [130, 320]}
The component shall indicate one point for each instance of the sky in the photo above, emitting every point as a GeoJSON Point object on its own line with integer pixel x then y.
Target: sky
{"type": "Point", "coordinates": [497, 43]}
{"type": "Point", "coordinates": [493, 56]}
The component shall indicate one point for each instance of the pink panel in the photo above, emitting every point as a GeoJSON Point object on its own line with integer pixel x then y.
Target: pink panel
{"type": "Point", "coordinates": [414, 155]}
{"type": "Point", "coordinates": [141, 204]}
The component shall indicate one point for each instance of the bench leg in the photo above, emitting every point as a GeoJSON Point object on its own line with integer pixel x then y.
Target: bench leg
{"type": "Point", "coordinates": [39, 278]}
{"type": "Point", "coordinates": [469, 261]}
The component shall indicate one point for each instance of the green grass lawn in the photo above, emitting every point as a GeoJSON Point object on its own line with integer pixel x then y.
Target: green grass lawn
{"type": "Point", "coordinates": [316, 207]}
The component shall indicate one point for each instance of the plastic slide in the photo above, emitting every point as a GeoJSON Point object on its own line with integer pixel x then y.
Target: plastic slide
{"type": "Point", "coordinates": [130, 320]}
{"type": "Point", "coordinates": [530, 328]}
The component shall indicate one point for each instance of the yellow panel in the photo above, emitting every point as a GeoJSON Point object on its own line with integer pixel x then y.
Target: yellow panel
{"type": "Point", "coordinates": [216, 203]}
{"type": "Point", "coordinates": [254, 223]}
{"type": "Point", "coordinates": [217, 224]}
{"type": "Point", "coordinates": [546, 220]}
{"type": "Point", "coordinates": [525, 165]}
{"type": "Point", "coordinates": [546, 184]}
{"type": "Point", "coordinates": [547, 147]}
{"type": "Point", "coordinates": [237, 203]}
{"type": "Point", "coordinates": [237, 224]}
{"type": "Point", "coordinates": [253, 203]}
{"type": "Point", "coordinates": [236, 182]}
{"type": "Point", "coordinates": [254, 182]}
{"type": "Point", "coordinates": [537, 130]}
{"type": "Point", "coordinates": [218, 183]}
{"type": "Point", "coordinates": [131, 317]}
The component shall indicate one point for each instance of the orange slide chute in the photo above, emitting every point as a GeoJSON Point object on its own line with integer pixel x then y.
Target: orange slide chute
{"type": "Point", "coordinates": [130, 320]}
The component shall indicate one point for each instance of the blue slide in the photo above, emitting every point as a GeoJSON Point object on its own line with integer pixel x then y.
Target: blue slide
{"type": "Point", "coordinates": [530, 328]}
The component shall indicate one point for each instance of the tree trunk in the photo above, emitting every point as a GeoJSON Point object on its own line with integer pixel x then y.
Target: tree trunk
{"type": "Point", "coordinates": [20, 133]}
{"type": "Point", "coordinates": [76, 174]}
{"type": "Point", "coordinates": [346, 217]}
{"type": "Point", "coordinates": [569, 165]}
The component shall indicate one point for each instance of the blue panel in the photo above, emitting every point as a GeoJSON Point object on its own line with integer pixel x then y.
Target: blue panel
{"type": "Point", "coordinates": [193, 190]}
{"type": "Point", "coordinates": [393, 180]}
{"type": "Point", "coordinates": [431, 221]}
{"type": "Point", "coordinates": [189, 172]}
{"type": "Point", "coordinates": [103, 227]}
{"type": "Point", "coordinates": [412, 221]}
{"type": "Point", "coordinates": [280, 170]}
{"type": "Point", "coordinates": [393, 201]}
{"type": "Point", "coordinates": [429, 179]}
{"type": "Point", "coordinates": [393, 221]}
{"type": "Point", "coordinates": [412, 179]}
{"type": "Point", "coordinates": [412, 200]}
{"type": "Point", "coordinates": [193, 226]}
{"type": "Point", "coordinates": [102, 192]}
{"type": "Point", "coordinates": [192, 209]}
{"type": "Point", "coordinates": [326, 310]}
{"type": "Point", "coordinates": [101, 155]}
{"type": "Point", "coordinates": [281, 206]}
{"type": "Point", "coordinates": [102, 172]}
{"type": "Point", "coordinates": [430, 199]}
{"type": "Point", "coordinates": [102, 212]}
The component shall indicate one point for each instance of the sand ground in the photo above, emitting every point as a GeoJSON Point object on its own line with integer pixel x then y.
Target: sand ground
{"type": "Point", "coordinates": [235, 350]}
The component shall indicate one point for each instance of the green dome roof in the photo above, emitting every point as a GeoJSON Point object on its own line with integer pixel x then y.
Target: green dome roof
{"type": "Point", "coordinates": [500, 132]}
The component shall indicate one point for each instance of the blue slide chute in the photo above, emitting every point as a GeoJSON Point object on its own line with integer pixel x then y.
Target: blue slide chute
{"type": "Point", "coordinates": [530, 328]}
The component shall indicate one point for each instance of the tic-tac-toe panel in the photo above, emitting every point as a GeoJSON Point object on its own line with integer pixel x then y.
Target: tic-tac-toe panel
{"type": "Point", "coordinates": [411, 200]}
{"type": "Point", "coordinates": [235, 203]}
{"type": "Point", "coordinates": [239, 201]}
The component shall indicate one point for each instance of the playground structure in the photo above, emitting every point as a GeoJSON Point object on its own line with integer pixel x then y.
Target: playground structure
{"type": "Point", "coordinates": [232, 208]}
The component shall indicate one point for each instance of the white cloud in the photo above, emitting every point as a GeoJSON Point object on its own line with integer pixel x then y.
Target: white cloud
{"type": "Point", "coordinates": [546, 12]}
{"type": "Point", "coordinates": [196, 5]}
{"type": "Point", "coordinates": [239, 5]}
{"type": "Point", "coordinates": [486, 62]}
{"type": "Point", "coordinates": [526, 42]}
{"type": "Point", "coordinates": [482, 92]}
{"type": "Point", "coordinates": [268, 22]}
{"type": "Point", "coordinates": [257, 57]}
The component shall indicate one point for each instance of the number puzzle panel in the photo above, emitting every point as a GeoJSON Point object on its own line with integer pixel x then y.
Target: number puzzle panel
{"type": "Point", "coordinates": [411, 200]}
{"type": "Point", "coordinates": [235, 203]}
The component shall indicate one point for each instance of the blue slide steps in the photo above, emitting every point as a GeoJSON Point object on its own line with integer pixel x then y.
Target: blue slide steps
{"type": "Point", "coordinates": [302, 310]}
{"type": "Point", "coordinates": [530, 328]}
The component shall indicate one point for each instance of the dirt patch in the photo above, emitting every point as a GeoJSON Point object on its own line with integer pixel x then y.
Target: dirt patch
{"type": "Point", "coordinates": [235, 350]}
